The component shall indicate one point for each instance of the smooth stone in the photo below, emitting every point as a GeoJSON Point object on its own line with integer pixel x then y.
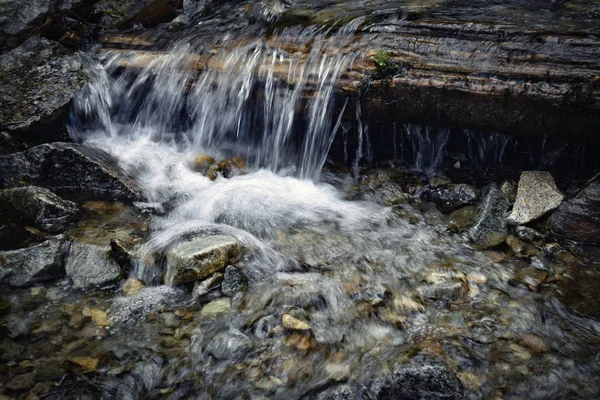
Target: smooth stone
{"type": "Point", "coordinates": [90, 266]}
{"type": "Point", "coordinates": [264, 327]}
{"type": "Point", "coordinates": [442, 290]}
{"type": "Point", "coordinates": [233, 281]}
{"type": "Point", "coordinates": [38, 207]}
{"type": "Point", "coordinates": [216, 307]}
{"type": "Point", "coordinates": [579, 218]}
{"type": "Point", "coordinates": [203, 288]}
{"type": "Point", "coordinates": [460, 220]}
{"type": "Point", "coordinates": [132, 287]}
{"type": "Point", "coordinates": [290, 322]}
{"type": "Point", "coordinates": [489, 224]}
{"type": "Point", "coordinates": [451, 197]}
{"type": "Point", "coordinates": [537, 195]}
{"type": "Point", "coordinates": [199, 258]}
{"type": "Point", "coordinates": [148, 300]}
{"type": "Point", "coordinates": [27, 267]}
{"type": "Point", "coordinates": [229, 345]}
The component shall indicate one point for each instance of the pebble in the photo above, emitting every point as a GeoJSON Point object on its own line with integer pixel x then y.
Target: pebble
{"type": "Point", "coordinates": [216, 307]}
{"type": "Point", "coordinates": [132, 286]}
{"type": "Point", "coordinates": [293, 323]}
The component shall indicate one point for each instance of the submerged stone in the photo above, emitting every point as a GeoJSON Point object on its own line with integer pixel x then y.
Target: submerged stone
{"type": "Point", "coordinates": [90, 266]}
{"type": "Point", "coordinates": [579, 218]}
{"type": "Point", "coordinates": [201, 257]}
{"type": "Point", "coordinates": [450, 197]}
{"type": "Point", "coordinates": [537, 194]}
{"type": "Point", "coordinates": [460, 220]}
{"type": "Point", "coordinates": [233, 281]}
{"type": "Point", "coordinates": [202, 289]}
{"type": "Point", "coordinates": [489, 224]}
{"type": "Point", "coordinates": [38, 207]}
{"type": "Point", "coordinates": [295, 324]}
{"type": "Point", "coordinates": [26, 267]}
{"type": "Point", "coordinates": [216, 307]}
{"type": "Point", "coordinates": [229, 345]}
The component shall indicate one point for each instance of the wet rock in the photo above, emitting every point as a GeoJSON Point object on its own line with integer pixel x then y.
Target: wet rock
{"type": "Point", "coordinates": [442, 290]}
{"type": "Point", "coordinates": [148, 300]}
{"type": "Point", "coordinates": [201, 257]}
{"type": "Point", "coordinates": [528, 234]}
{"type": "Point", "coordinates": [537, 195]}
{"type": "Point", "coordinates": [90, 266]}
{"type": "Point", "coordinates": [295, 324]}
{"type": "Point", "coordinates": [132, 287]}
{"type": "Point", "coordinates": [229, 345]}
{"type": "Point", "coordinates": [202, 289]}
{"type": "Point", "coordinates": [303, 341]}
{"type": "Point", "coordinates": [579, 218]}
{"type": "Point", "coordinates": [121, 252]}
{"type": "Point", "coordinates": [264, 327]}
{"type": "Point", "coordinates": [515, 244]}
{"type": "Point", "coordinates": [489, 224]}
{"type": "Point", "coordinates": [460, 220]}
{"type": "Point", "coordinates": [450, 197]}
{"type": "Point", "coordinates": [88, 364]}
{"type": "Point", "coordinates": [15, 326]}
{"type": "Point", "coordinates": [125, 14]}
{"type": "Point", "coordinates": [38, 80]}
{"type": "Point", "coordinates": [233, 281]}
{"type": "Point", "coordinates": [531, 276]}
{"type": "Point", "coordinates": [509, 188]}
{"type": "Point", "coordinates": [21, 382]}
{"type": "Point", "coordinates": [38, 207]}
{"type": "Point", "coordinates": [68, 169]}
{"type": "Point", "coordinates": [534, 343]}
{"type": "Point", "coordinates": [41, 263]}
{"type": "Point", "coordinates": [216, 307]}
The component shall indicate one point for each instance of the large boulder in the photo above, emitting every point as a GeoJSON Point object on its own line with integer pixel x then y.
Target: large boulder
{"type": "Point", "coordinates": [489, 227]}
{"type": "Point", "coordinates": [70, 170]}
{"type": "Point", "coordinates": [537, 195]}
{"type": "Point", "coordinates": [451, 197]}
{"type": "Point", "coordinates": [124, 14]}
{"type": "Point", "coordinates": [26, 267]}
{"type": "Point", "coordinates": [419, 380]}
{"type": "Point", "coordinates": [38, 207]}
{"type": "Point", "coordinates": [38, 80]}
{"type": "Point", "coordinates": [579, 218]}
{"type": "Point", "coordinates": [90, 266]}
{"type": "Point", "coordinates": [199, 258]}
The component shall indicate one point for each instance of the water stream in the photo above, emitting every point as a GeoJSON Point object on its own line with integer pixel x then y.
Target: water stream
{"type": "Point", "coordinates": [355, 254]}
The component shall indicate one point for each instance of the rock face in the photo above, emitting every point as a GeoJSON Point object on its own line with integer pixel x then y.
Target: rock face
{"type": "Point", "coordinates": [38, 80]}
{"type": "Point", "coordinates": [26, 267]}
{"type": "Point", "coordinates": [68, 169]}
{"type": "Point", "coordinates": [89, 266]}
{"type": "Point", "coordinates": [416, 381]}
{"type": "Point", "coordinates": [579, 218]}
{"type": "Point", "coordinates": [489, 225]}
{"type": "Point", "coordinates": [38, 207]}
{"type": "Point", "coordinates": [200, 258]}
{"type": "Point", "coordinates": [537, 194]}
{"type": "Point", "coordinates": [450, 197]}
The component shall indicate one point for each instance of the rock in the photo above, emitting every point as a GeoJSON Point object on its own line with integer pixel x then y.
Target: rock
{"type": "Point", "coordinates": [68, 169]}
{"type": "Point", "coordinates": [121, 252]}
{"type": "Point", "coordinates": [534, 343]}
{"type": "Point", "coordinates": [26, 267]}
{"type": "Point", "coordinates": [90, 266]}
{"type": "Point", "coordinates": [233, 281]}
{"type": "Point", "coordinates": [460, 220]}
{"type": "Point", "coordinates": [537, 194]}
{"type": "Point", "coordinates": [99, 317]}
{"type": "Point", "coordinates": [38, 207]}
{"type": "Point", "coordinates": [528, 234]}
{"type": "Point", "coordinates": [301, 340]}
{"type": "Point", "coordinates": [442, 290]}
{"type": "Point", "coordinates": [38, 81]}
{"type": "Point", "coordinates": [148, 300]}
{"type": "Point", "coordinates": [88, 364]}
{"type": "Point", "coordinates": [264, 327]}
{"type": "Point", "coordinates": [202, 289]}
{"type": "Point", "coordinates": [450, 197]}
{"type": "Point", "coordinates": [125, 14]}
{"type": "Point", "coordinates": [579, 218]}
{"type": "Point", "coordinates": [229, 345]}
{"type": "Point", "coordinates": [531, 276]}
{"type": "Point", "coordinates": [515, 244]}
{"type": "Point", "coordinates": [15, 326]}
{"type": "Point", "coordinates": [21, 382]}
{"type": "Point", "coordinates": [216, 307]}
{"type": "Point", "coordinates": [294, 324]}
{"type": "Point", "coordinates": [132, 287]}
{"type": "Point", "coordinates": [489, 224]}
{"type": "Point", "coordinates": [419, 380]}
{"type": "Point", "coordinates": [201, 257]}
{"type": "Point", "coordinates": [509, 188]}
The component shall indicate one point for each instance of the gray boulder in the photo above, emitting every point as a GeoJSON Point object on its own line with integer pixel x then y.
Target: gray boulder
{"type": "Point", "coordinates": [38, 80]}
{"type": "Point", "coordinates": [230, 345]}
{"type": "Point", "coordinates": [451, 197]}
{"type": "Point", "coordinates": [579, 218]}
{"type": "Point", "coordinates": [489, 224]}
{"type": "Point", "coordinates": [38, 207]}
{"type": "Point", "coordinates": [90, 266]}
{"type": "Point", "coordinates": [537, 195]}
{"type": "Point", "coordinates": [199, 258]}
{"type": "Point", "coordinates": [68, 169]}
{"type": "Point", "coordinates": [27, 267]}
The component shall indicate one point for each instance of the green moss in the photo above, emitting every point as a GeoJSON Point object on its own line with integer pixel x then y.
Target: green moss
{"type": "Point", "coordinates": [118, 8]}
{"type": "Point", "coordinates": [385, 66]}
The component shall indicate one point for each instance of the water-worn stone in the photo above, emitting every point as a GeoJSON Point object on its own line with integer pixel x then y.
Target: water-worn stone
{"type": "Point", "coordinates": [201, 257]}
{"type": "Point", "coordinates": [216, 307]}
{"type": "Point", "coordinates": [68, 169]}
{"type": "Point", "coordinates": [420, 380]}
{"type": "Point", "coordinates": [26, 267]}
{"type": "Point", "coordinates": [132, 287]}
{"type": "Point", "coordinates": [451, 290]}
{"type": "Point", "coordinates": [295, 324]}
{"type": "Point", "coordinates": [38, 80]}
{"type": "Point", "coordinates": [229, 345]}
{"type": "Point", "coordinates": [579, 218]}
{"type": "Point", "coordinates": [450, 197]}
{"type": "Point", "coordinates": [233, 281]}
{"type": "Point", "coordinates": [38, 207]}
{"type": "Point", "coordinates": [90, 266]}
{"type": "Point", "coordinates": [124, 14]}
{"type": "Point", "coordinates": [537, 195]}
{"type": "Point", "coordinates": [489, 225]}
{"type": "Point", "coordinates": [202, 289]}
{"type": "Point", "coordinates": [460, 220]}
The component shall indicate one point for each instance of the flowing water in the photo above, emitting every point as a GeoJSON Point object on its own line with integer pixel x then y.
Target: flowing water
{"type": "Point", "coordinates": [356, 254]}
